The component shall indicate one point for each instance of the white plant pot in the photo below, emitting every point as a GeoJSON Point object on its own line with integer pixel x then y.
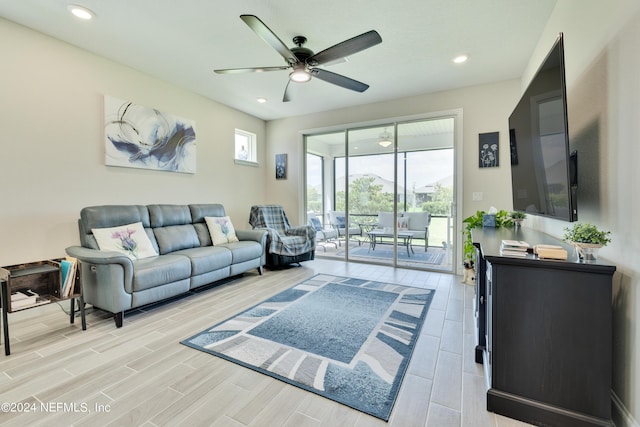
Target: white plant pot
{"type": "Point", "coordinates": [588, 252]}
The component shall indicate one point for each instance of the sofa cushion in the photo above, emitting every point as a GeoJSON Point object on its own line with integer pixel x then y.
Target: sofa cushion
{"type": "Point", "coordinates": [243, 251]}
{"type": "Point", "coordinates": [172, 227]}
{"type": "Point", "coordinates": [207, 258]}
{"type": "Point", "coordinates": [198, 214]}
{"type": "Point", "coordinates": [176, 237]}
{"type": "Point", "coordinates": [106, 216]}
{"type": "Point", "coordinates": [203, 234]}
{"type": "Point", "coordinates": [161, 270]}
{"type": "Point", "coordinates": [112, 215]}
{"type": "Point", "coordinates": [200, 211]}
{"type": "Point", "coordinates": [166, 215]}
{"type": "Point", "coordinates": [130, 240]}
{"type": "Point", "coordinates": [221, 230]}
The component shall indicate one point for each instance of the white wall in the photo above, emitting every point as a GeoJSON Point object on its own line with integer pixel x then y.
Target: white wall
{"type": "Point", "coordinates": [602, 46]}
{"type": "Point", "coordinates": [52, 140]}
{"type": "Point", "coordinates": [485, 109]}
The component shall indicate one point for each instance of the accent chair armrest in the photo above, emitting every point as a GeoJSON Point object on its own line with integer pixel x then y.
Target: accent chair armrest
{"type": "Point", "coordinates": [303, 230]}
{"type": "Point", "coordinates": [300, 230]}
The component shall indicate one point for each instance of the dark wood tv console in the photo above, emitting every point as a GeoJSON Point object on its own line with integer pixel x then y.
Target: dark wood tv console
{"type": "Point", "coordinates": [543, 332]}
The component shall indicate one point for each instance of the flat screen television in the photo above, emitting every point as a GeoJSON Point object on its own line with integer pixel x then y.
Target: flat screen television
{"type": "Point", "coordinates": [543, 171]}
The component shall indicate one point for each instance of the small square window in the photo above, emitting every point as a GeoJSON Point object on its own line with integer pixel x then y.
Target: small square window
{"type": "Point", "coordinates": [245, 151]}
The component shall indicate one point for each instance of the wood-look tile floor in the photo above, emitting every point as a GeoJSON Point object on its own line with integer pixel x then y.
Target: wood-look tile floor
{"type": "Point", "coordinates": [140, 374]}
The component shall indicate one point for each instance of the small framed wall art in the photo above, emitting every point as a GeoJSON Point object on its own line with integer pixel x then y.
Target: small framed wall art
{"type": "Point", "coordinates": [489, 148]}
{"type": "Point", "coordinates": [281, 166]}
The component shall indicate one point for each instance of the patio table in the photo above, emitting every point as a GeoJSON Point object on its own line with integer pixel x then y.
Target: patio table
{"type": "Point", "coordinates": [377, 236]}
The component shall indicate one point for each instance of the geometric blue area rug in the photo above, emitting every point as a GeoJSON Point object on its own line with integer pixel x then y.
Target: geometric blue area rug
{"type": "Point", "coordinates": [347, 339]}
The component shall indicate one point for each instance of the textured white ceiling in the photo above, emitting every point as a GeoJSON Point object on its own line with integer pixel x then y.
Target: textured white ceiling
{"type": "Point", "coordinates": [182, 42]}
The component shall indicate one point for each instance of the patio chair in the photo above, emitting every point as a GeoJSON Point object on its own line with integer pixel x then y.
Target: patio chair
{"type": "Point", "coordinates": [385, 221]}
{"type": "Point", "coordinates": [419, 222]}
{"type": "Point", "coordinates": [416, 222]}
{"type": "Point", "coordinates": [324, 236]}
{"type": "Point", "coordinates": [285, 244]}
{"type": "Point", "coordinates": [338, 222]}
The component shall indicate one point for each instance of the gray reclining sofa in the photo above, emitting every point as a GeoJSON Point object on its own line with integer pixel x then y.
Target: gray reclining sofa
{"type": "Point", "coordinates": [186, 259]}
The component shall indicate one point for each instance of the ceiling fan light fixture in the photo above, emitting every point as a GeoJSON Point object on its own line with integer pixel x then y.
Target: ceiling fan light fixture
{"type": "Point", "coordinates": [385, 139]}
{"type": "Point", "coordinates": [81, 12]}
{"type": "Point", "coordinates": [299, 75]}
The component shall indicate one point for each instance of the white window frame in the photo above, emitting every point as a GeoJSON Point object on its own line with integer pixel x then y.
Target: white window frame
{"type": "Point", "coordinates": [251, 149]}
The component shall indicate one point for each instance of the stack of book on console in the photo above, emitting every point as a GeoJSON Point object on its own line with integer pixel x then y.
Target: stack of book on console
{"type": "Point", "coordinates": [550, 252]}
{"type": "Point", "coordinates": [514, 248]}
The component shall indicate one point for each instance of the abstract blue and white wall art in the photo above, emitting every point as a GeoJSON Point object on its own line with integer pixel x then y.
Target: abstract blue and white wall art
{"type": "Point", "coordinates": [146, 138]}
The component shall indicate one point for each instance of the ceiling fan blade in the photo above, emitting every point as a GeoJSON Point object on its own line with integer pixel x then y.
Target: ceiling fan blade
{"type": "Point", "coordinates": [346, 48]}
{"type": "Point", "coordinates": [339, 80]}
{"type": "Point", "coordinates": [250, 70]}
{"type": "Point", "coordinates": [287, 95]}
{"type": "Point", "coordinates": [269, 37]}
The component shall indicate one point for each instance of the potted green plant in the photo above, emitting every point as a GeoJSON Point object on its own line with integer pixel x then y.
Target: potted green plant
{"type": "Point", "coordinates": [503, 219]}
{"type": "Point", "coordinates": [587, 239]}
{"type": "Point", "coordinates": [469, 250]}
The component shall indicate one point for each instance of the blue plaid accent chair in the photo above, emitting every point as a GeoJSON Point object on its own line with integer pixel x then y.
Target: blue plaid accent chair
{"type": "Point", "coordinates": [285, 244]}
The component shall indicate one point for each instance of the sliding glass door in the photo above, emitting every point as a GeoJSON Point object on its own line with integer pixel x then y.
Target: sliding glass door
{"type": "Point", "coordinates": [425, 164]}
{"type": "Point", "coordinates": [371, 192]}
{"type": "Point", "coordinates": [387, 191]}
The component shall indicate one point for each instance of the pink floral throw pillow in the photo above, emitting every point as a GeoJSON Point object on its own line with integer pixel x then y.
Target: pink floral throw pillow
{"type": "Point", "coordinates": [130, 240]}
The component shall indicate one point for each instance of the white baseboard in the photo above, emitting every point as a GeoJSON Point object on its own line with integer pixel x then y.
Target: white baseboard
{"type": "Point", "coordinates": [621, 415]}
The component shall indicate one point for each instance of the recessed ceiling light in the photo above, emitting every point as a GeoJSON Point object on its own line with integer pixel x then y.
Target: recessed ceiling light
{"type": "Point", "coordinates": [80, 12]}
{"type": "Point", "coordinates": [460, 59]}
{"type": "Point", "coordinates": [261, 100]}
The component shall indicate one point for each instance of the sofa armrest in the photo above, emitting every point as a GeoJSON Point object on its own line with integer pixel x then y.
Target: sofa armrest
{"type": "Point", "coordinates": [111, 260]}
{"type": "Point", "coordinates": [257, 235]}
{"type": "Point", "coordinates": [94, 256]}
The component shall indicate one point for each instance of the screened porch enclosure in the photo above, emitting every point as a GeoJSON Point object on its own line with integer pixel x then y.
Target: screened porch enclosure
{"type": "Point", "coordinates": [384, 194]}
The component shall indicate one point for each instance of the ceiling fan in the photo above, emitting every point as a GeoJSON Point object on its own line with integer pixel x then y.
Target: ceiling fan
{"type": "Point", "coordinates": [303, 62]}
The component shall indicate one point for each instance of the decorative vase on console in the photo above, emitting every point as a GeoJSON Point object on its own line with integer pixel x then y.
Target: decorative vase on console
{"type": "Point", "coordinates": [517, 218]}
{"type": "Point", "coordinates": [586, 251]}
